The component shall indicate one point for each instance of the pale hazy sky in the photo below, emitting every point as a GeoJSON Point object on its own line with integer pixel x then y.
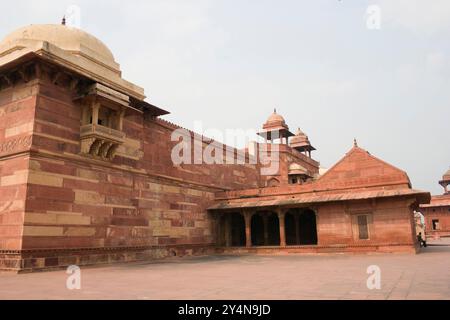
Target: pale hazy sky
{"type": "Point", "coordinates": [228, 63]}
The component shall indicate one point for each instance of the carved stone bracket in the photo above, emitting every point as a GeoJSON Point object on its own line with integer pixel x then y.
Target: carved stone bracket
{"type": "Point", "coordinates": [100, 143]}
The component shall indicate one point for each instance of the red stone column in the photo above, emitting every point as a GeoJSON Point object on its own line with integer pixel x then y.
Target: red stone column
{"type": "Point", "coordinates": [121, 115]}
{"type": "Point", "coordinates": [219, 229]}
{"type": "Point", "coordinates": [266, 229]}
{"type": "Point", "coordinates": [86, 114]}
{"type": "Point", "coordinates": [227, 231]}
{"type": "Point", "coordinates": [281, 215]}
{"type": "Point", "coordinates": [297, 229]}
{"type": "Point", "coordinates": [248, 228]}
{"type": "Point", "coordinates": [95, 112]}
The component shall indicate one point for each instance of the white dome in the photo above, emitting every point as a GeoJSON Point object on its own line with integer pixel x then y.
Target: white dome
{"type": "Point", "coordinates": [72, 40]}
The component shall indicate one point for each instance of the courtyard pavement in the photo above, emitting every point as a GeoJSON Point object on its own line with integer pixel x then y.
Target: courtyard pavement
{"type": "Point", "coordinates": [284, 277]}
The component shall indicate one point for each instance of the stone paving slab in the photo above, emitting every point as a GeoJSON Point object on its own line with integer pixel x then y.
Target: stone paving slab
{"type": "Point", "coordinates": [287, 277]}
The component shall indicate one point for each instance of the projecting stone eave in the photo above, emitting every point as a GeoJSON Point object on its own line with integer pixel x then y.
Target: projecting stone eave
{"type": "Point", "coordinates": [80, 64]}
{"type": "Point", "coordinates": [31, 55]}
{"type": "Point", "coordinates": [418, 197]}
{"type": "Point", "coordinates": [438, 201]}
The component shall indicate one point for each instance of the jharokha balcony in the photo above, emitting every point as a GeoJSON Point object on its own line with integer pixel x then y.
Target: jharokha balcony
{"type": "Point", "coordinates": [99, 141]}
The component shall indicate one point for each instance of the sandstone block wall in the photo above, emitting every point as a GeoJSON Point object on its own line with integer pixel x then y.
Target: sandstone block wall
{"type": "Point", "coordinates": [16, 127]}
{"type": "Point", "coordinates": [56, 203]}
{"type": "Point", "coordinates": [440, 213]}
{"type": "Point", "coordinates": [390, 223]}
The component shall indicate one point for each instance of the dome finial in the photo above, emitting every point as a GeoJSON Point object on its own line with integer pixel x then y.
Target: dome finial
{"type": "Point", "coordinates": [274, 110]}
{"type": "Point", "coordinates": [63, 22]}
{"type": "Point", "coordinates": [355, 143]}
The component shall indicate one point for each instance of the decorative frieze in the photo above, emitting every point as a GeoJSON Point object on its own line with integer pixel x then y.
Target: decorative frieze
{"type": "Point", "coordinates": [14, 145]}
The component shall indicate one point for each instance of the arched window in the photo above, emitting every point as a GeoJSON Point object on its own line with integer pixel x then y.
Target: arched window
{"type": "Point", "coordinates": [273, 182]}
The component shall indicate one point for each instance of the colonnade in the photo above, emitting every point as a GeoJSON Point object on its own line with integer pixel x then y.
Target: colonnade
{"type": "Point", "coordinates": [280, 227]}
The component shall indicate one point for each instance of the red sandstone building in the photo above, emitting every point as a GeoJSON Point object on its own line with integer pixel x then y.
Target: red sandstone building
{"type": "Point", "coordinates": [86, 174]}
{"type": "Point", "coordinates": [437, 212]}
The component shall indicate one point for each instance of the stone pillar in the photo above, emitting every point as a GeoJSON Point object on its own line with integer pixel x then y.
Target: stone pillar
{"type": "Point", "coordinates": [86, 114]}
{"type": "Point", "coordinates": [228, 239]}
{"type": "Point", "coordinates": [219, 239]}
{"type": "Point", "coordinates": [266, 229]}
{"type": "Point", "coordinates": [248, 228]}
{"type": "Point", "coordinates": [297, 229]}
{"type": "Point", "coordinates": [95, 111]}
{"type": "Point", "coordinates": [121, 115]}
{"type": "Point", "coordinates": [281, 215]}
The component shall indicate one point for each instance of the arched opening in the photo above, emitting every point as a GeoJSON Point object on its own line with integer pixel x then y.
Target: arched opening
{"type": "Point", "coordinates": [257, 227]}
{"type": "Point", "coordinates": [307, 228]}
{"type": "Point", "coordinates": [237, 230]}
{"type": "Point", "coordinates": [290, 229]}
{"type": "Point", "coordinates": [265, 229]}
{"type": "Point", "coordinates": [273, 228]}
{"type": "Point", "coordinates": [273, 182]}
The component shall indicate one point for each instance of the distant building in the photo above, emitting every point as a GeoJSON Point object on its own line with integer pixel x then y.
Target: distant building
{"type": "Point", "coordinates": [87, 177]}
{"type": "Point", "coordinates": [437, 213]}
{"type": "Point", "coordinates": [420, 225]}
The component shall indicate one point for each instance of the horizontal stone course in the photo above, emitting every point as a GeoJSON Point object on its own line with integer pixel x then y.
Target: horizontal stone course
{"type": "Point", "coordinates": [41, 231]}
{"type": "Point", "coordinates": [62, 204]}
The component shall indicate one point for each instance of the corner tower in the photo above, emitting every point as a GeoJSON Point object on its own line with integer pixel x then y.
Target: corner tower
{"type": "Point", "coordinates": [291, 153]}
{"type": "Point", "coordinates": [63, 103]}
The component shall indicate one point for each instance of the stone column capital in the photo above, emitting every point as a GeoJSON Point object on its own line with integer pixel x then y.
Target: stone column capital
{"type": "Point", "coordinates": [247, 213]}
{"type": "Point", "coordinates": [281, 212]}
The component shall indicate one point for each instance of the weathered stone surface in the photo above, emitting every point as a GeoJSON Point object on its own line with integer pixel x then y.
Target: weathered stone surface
{"type": "Point", "coordinates": [45, 180]}
{"type": "Point", "coordinates": [42, 231]}
{"type": "Point", "coordinates": [120, 198]}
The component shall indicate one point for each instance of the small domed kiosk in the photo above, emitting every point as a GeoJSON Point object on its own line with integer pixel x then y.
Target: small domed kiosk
{"type": "Point", "coordinates": [276, 128]}
{"type": "Point", "coordinates": [300, 142]}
